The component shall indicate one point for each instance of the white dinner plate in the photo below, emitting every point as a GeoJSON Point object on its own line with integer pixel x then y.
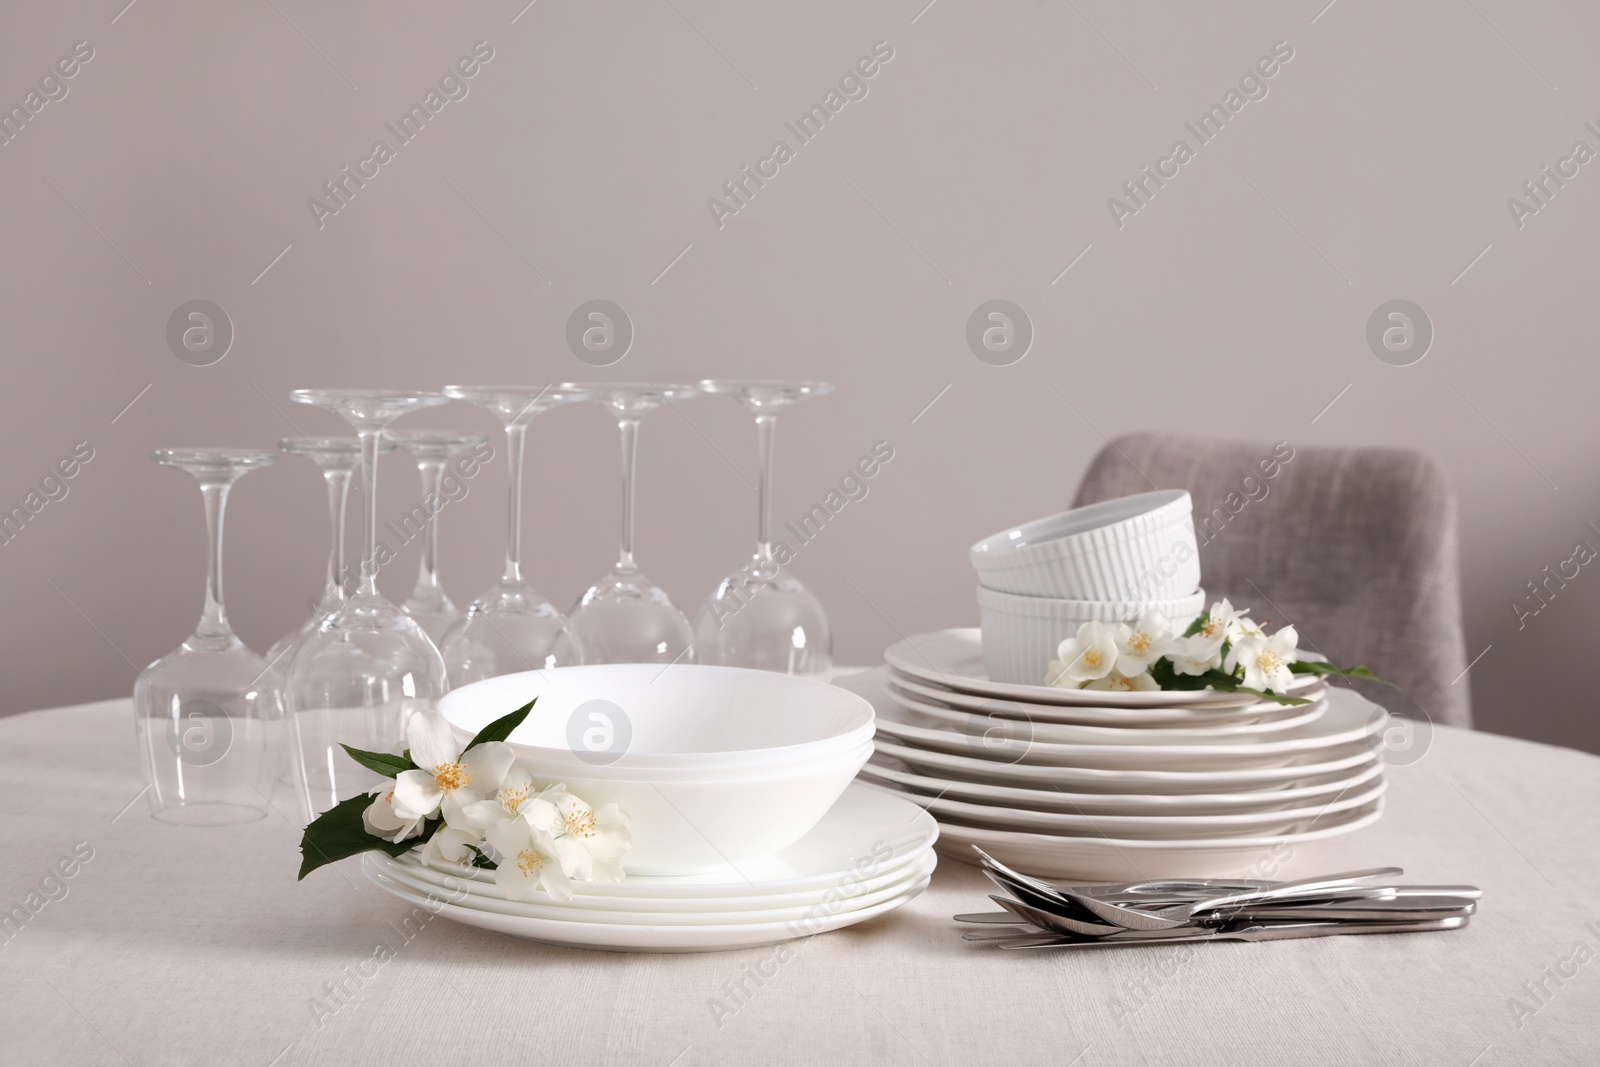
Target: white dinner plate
{"type": "Point", "coordinates": [663, 912]}
{"type": "Point", "coordinates": [1107, 859]}
{"type": "Point", "coordinates": [853, 883]}
{"type": "Point", "coordinates": [617, 937]}
{"type": "Point", "coordinates": [1168, 825]}
{"type": "Point", "coordinates": [1086, 715]}
{"type": "Point", "coordinates": [1350, 718]}
{"type": "Point", "coordinates": [879, 688]}
{"type": "Point", "coordinates": [954, 659]}
{"type": "Point", "coordinates": [862, 835]}
{"type": "Point", "coordinates": [1122, 780]}
{"type": "Point", "coordinates": [1295, 791]}
{"type": "Point", "coordinates": [930, 713]}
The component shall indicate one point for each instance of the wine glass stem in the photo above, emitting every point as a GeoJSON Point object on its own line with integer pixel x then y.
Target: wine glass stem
{"type": "Point", "coordinates": [369, 482]}
{"type": "Point", "coordinates": [338, 483]}
{"type": "Point", "coordinates": [432, 473]}
{"type": "Point", "coordinates": [214, 617]}
{"type": "Point", "coordinates": [516, 443]}
{"type": "Point", "coordinates": [766, 426]}
{"type": "Point", "coordinates": [630, 452]}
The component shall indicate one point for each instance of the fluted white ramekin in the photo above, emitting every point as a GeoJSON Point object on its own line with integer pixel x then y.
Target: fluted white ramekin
{"type": "Point", "coordinates": [1021, 633]}
{"type": "Point", "coordinates": [1138, 547]}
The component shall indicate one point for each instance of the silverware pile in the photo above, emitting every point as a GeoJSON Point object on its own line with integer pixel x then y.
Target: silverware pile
{"type": "Point", "coordinates": [1041, 915]}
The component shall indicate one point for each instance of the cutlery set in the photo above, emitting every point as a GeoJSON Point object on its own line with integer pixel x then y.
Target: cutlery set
{"type": "Point", "coordinates": [1042, 915]}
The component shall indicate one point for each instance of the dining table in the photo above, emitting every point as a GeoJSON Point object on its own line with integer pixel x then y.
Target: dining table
{"type": "Point", "coordinates": [124, 940]}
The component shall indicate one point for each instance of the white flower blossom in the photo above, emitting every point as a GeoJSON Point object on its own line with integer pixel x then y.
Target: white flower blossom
{"type": "Point", "coordinates": [605, 834]}
{"type": "Point", "coordinates": [1265, 659]}
{"type": "Point", "coordinates": [530, 859]}
{"type": "Point", "coordinates": [1122, 683]}
{"type": "Point", "coordinates": [1142, 643]}
{"type": "Point", "coordinates": [381, 820]}
{"type": "Point", "coordinates": [1085, 658]}
{"type": "Point", "coordinates": [446, 779]}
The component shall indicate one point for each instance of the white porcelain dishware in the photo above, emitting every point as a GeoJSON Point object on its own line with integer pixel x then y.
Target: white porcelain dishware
{"type": "Point", "coordinates": [1121, 779]}
{"type": "Point", "coordinates": [1113, 859]}
{"type": "Point", "coordinates": [926, 713]}
{"type": "Point", "coordinates": [1166, 825]}
{"type": "Point", "coordinates": [887, 697]}
{"type": "Point", "coordinates": [864, 835]}
{"type": "Point", "coordinates": [1022, 633]}
{"type": "Point", "coordinates": [616, 937]}
{"type": "Point", "coordinates": [687, 716]}
{"type": "Point", "coordinates": [1138, 547]}
{"type": "Point", "coordinates": [1127, 718]}
{"type": "Point", "coordinates": [1349, 719]}
{"type": "Point", "coordinates": [869, 855]}
{"type": "Point", "coordinates": [485, 896]}
{"type": "Point", "coordinates": [1295, 791]}
{"type": "Point", "coordinates": [953, 659]}
{"type": "Point", "coordinates": [714, 764]}
{"type": "Point", "coordinates": [896, 872]}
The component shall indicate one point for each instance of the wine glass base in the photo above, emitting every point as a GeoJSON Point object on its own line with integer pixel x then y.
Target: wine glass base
{"type": "Point", "coordinates": [209, 814]}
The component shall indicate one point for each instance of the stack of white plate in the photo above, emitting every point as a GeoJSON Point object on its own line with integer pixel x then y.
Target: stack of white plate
{"type": "Point", "coordinates": [871, 853]}
{"type": "Point", "coordinates": [1110, 786]}
{"type": "Point", "coordinates": [747, 825]}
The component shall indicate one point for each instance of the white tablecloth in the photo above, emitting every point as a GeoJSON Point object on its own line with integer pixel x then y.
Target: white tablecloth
{"type": "Point", "coordinates": [177, 945]}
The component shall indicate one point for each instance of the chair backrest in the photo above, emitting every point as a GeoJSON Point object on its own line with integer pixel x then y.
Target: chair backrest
{"type": "Point", "coordinates": [1354, 546]}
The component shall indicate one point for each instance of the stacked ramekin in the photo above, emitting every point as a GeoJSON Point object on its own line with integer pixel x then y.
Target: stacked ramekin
{"type": "Point", "coordinates": [1112, 561]}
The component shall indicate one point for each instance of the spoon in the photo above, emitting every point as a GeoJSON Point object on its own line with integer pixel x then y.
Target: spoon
{"type": "Point", "coordinates": [1134, 918]}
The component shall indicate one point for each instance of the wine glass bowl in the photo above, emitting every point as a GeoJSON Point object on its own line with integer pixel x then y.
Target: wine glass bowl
{"type": "Point", "coordinates": [625, 617]}
{"type": "Point", "coordinates": [512, 626]}
{"type": "Point", "coordinates": [761, 616]}
{"type": "Point", "coordinates": [210, 732]}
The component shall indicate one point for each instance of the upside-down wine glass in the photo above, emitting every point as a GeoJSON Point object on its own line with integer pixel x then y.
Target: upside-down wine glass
{"type": "Point", "coordinates": [210, 732]}
{"type": "Point", "coordinates": [625, 617]}
{"type": "Point", "coordinates": [337, 458]}
{"type": "Point", "coordinates": [512, 627]}
{"type": "Point", "coordinates": [428, 603]}
{"type": "Point", "coordinates": [369, 666]}
{"type": "Point", "coordinates": [761, 616]}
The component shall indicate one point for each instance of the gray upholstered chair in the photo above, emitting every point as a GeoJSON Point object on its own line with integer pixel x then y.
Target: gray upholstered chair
{"type": "Point", "coordinates": [1355, 546]}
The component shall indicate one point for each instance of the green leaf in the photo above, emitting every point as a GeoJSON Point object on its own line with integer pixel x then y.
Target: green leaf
{"type": "Point", "coordinates": [339, 833]}
{"type": "Point", "coordinates": [1318, 667]}
{"type": "Point", "coordinates": [1198, 624]}
{"type": "Point", "coordinates": [501, 728]}
{"type": "Point", "coordinates": [480, 860]}
{"type": "Point", "coordinates": [385, 763]}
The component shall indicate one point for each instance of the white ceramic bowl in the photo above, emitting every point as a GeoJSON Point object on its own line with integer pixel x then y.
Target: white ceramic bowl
{"type": "Point", "coordinates": [1021, 633]}
{"type": "Point", "coordinates": [692, 719]}
{"type": "Point", "coordinates": [689, 826]}
{"type": "Point", "coordinates": [1138, 547]}
{"type": "Point", "coordinates": [714, 765]}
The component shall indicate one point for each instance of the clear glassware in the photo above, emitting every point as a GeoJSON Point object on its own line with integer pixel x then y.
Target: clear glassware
{"type": "Point", "coordinates": [512, 627]}
{"type": "Point", "coordinates": [625, 617]}
{"type": "Point", "coordinates": [369, 666]}
{"type": "Point", "coordinates": [428, 603]}
{"type": "Point", "coordinates": [210, 734]}
{"type": "Point", "coordinates": [761, 616]}
{"type": "Point", "coordinates": [337, 458]}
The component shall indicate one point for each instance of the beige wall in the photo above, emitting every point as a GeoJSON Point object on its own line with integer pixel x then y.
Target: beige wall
{"type": "Point", "coordinates": [978, 166]}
